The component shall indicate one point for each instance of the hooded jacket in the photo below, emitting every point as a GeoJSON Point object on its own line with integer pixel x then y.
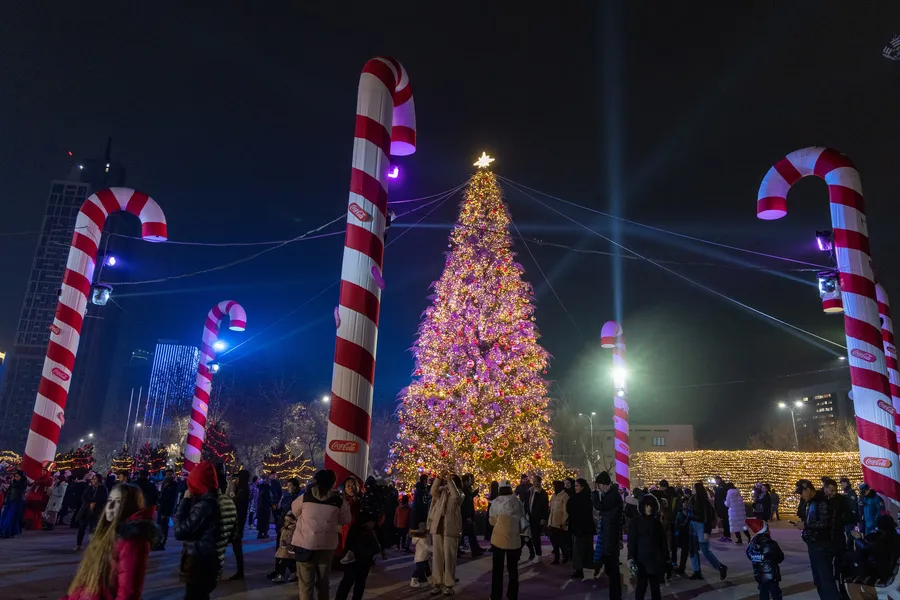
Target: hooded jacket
{"type": "Point", "coordinates": [506, 517]}
{"type": "Point", "coordinates": [765, 554]}
{"type": "Point", "coordinates": [647, 544]}
{"type": "Point", "coordinates": [737, 511]}
{"type": "Point", "coordinates": [319, 516]}
{"type": "Point", "coordinates": [445, 516]}
{"type": "Point", "coordinates": [129, 565]}
{"type": "Point", "coordinates": [611, 508]}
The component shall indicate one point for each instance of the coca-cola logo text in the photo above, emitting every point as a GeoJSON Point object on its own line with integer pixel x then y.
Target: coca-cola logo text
{"type": "Point", "coordinates": [871, 461]}
{"type": "Point", "coordinates": [886, 407]}
{"type": "Point", "coordinates": [343, 446]}
{"type": "Point", "coordinates": [890, 350]}
{"type": "Point", "coordinates": [54, 329]}
{"type": "Point", "coordinates": [60, 373]}
{"type": "Point", "coordinates": [862, 355]}
{"type": "Point", "coordinates": [358, 212]}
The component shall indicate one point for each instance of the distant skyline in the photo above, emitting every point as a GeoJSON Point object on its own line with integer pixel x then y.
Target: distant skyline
{"type": "Point", "coordinates": [240, 125]}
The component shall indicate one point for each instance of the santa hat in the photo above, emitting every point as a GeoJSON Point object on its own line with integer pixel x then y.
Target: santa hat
{"type": "Point", "coordinates": [757, 525]}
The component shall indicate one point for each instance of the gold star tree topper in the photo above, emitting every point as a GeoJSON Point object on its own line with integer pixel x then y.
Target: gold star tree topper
{"type": "Point", "coordinates": [484, 161]}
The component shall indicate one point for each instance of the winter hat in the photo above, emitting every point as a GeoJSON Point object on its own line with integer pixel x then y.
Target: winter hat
{"type": "Point", "coordinates": [603, 478]}
{"type": "Point", "coordinates": [504, 483]}
{"type": "Point", "coordinates": [757, 525]}
{"type": "Point", "coordinates": [864, 487]}
{"type": "Point", "coordinates": [202, 479]}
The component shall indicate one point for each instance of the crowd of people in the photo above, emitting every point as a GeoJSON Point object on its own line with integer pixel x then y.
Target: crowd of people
{"type": "Point", "coordinates": [644, 536]}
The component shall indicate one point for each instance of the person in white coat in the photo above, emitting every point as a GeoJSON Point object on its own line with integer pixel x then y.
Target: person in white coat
{"type": "Point", "coordinates": [737, 513]}
{"type": "Point", "coordinates": [506, 516]}
{"type": "Point", "coordinates": [54, 504]}
{"type": "Point", "coordinates": [445, 526]}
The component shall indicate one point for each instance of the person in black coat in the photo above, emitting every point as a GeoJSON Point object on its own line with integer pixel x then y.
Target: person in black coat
{"type": "Point", "coordinates": [71, 501]}
{"type": "Point", "coordinates": [765, 555]}
{"type": "Point", "coordinates": [197, 524]}
{"type": "Point", "coordinates": [148, 488]}
{"type": "Point", "coordinates": [581, 526]}
{"type": "Point", "coordinates": [168, 494]}
{"type": "Point", "coordinates": [648, 550]}
{"type": "Point", "coordinates": [92, 502]}
{"type": "Point", "coordinates": [537, 509]}
{"type": "Point", "coordinates": [421, 501]}
{"type": "Point", "coordinates": [264, 508]}
{"type": "Point", "coordinates": [720, 490]}
{"type": "Point", "coordinates": [608, 502]}
{"type": "Point", "coordinates": [468, 515]}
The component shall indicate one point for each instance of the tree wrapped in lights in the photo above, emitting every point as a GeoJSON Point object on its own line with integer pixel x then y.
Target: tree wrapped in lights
{"type": "Point", "coordinates": [285, 464]}
{"type": "Point", "coordinates": [478, 403]}
{"type": "Point", "coordinates": [217, 447]}
{"type": "Point", "coordinates": [122, 460]}
{"type": "Point", "coordinates": [9, 459]}
{"type": "Point", "coordinates": [152, 458]}
{"type": "Point", "coordinates": [80, 459]}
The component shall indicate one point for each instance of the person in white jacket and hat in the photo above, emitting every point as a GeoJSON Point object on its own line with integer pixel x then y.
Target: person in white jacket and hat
{"type": "Point", "coordinates": [737, 513]}
{"type": "Point", "coordinates": [506, 516]}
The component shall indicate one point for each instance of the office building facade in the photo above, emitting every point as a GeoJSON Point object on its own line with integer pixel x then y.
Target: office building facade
{"type": "Point", "coordinates": [26, 359]}
{"type": "Point", "coordinates": [823, 405]}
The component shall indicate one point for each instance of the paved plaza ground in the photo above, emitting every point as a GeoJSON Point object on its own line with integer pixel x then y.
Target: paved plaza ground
{"type": "Point", "coordinates": [40, 565]}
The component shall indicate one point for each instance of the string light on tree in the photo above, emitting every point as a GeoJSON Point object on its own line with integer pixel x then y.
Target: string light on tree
{"type": "Point", "coordinates": [478, 402]}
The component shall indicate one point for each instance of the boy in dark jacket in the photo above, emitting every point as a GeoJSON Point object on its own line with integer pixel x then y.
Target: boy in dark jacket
{"type": "Point", "coordinates": [765, 555]}
{"type": "Point", "coordinates": [648, 548]}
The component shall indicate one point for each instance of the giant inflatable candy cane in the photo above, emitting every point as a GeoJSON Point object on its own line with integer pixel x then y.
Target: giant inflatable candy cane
{"type": "Point", "coordinates": [65, 332]}
{"type": "Point", "coordinates": [611, 336]}
{"type": "Point", "coordinates": [385, 125]}
{"type": "Point", "coordinates": [237, 321]}
{"type": "Point", "coordinates": [868, 373]}
{"type": "Point", "coordinates": [890, 352]}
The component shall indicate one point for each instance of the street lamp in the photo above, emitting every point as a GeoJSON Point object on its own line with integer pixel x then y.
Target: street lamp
{"type": "Point", "coordinates": [219, 345]}
{"type": "Point", "coordinates": [214, 367]}
{"type": "Point", "coordinates": [326, 398]}
{"type": "Point", "coordinates": [590, 419]}
{"type": "Point", "coordinates": [798, 405]}
{"type": "Point", "coordinates": [90, 435]}
{"type": "Point", "coordinates": [81, 441]}
{"type": "Point", "coordinates": [138, 424]}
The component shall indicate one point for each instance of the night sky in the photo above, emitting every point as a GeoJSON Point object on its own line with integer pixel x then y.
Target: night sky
{"type": "Point", "coordinates": [239, 123]}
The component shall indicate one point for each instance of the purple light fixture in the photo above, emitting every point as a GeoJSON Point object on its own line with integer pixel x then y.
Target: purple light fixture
{"type": "Point", "coordinates": [111, 261]}
{"type": "Point", "coordinates": [824, 241]}
{"type": "Point", "coordinates": [394, 173]}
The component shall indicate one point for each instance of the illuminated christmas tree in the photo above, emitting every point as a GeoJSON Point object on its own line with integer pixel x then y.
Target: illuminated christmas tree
{"type": "Point", "coordinates": [152, 458]}
{"type": "Point", "coordinates": [9, 459]}
{"type": "Point", "coordinates": [217, 447]}
{"type": "Point", "coordinates": [80, 459]}
{"type": "Point", "coordinates": [122, 460]}
{"type": "Point", "coordinates": [478, 403]}
{"type": "Point", "coordinates": [286, 464]}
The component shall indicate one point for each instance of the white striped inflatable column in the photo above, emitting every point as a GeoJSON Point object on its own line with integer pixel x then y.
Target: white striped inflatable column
{"type": "Point", "coordinates": [385, 124]}
{"type": "Point", "coordinates": [65, 331]}
{"type": "Point", "coordinates": [237, 321]}
{"type": "Point", "coordinates": [890, 352]}
{"type": "Point", "coordinates": [612, 336]}
{"type": "Point", "coordinates": [868, 371]}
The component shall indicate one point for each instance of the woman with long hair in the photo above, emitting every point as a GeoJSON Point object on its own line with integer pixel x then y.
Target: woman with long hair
{"type": "Point", "coordinates": [362, 542]}
{"type": "Point", "coordinates": [557, 525]}
{"type": "Point", "coordinates": [11, 518]}
{"type": "Point", "coordinates": [492, 495]}
{"type": "Point", "coordinates": [703, 515]}
{"type": "Point", "coordinates": [581, 526]}
{"type": "Point", "coordinates": [115, 561]}
{"type": "Point", "coordinates": [445, 525]}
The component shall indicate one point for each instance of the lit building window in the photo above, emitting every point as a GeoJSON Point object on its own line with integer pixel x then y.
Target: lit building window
{"type": "Point", "coordinates": [659, 441]}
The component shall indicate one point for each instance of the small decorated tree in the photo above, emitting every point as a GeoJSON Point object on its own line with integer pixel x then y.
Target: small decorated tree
{"type": "Point", "coordinates": [217, 446]}
{"type": "Point", "coordinates": [122, 460]}
{"type": "Point", "coordinates": [152, 458]}
{"type": "Point", "coordinates": [79, 460]}
{"type": "Point", "coordinates": [9, 459]}
{"type": "Point", "coordinates": [285, 464]}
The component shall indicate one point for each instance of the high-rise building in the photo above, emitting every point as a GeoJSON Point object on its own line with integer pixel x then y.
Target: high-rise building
{"type": "Point", "coordinates": [171, 387]}
{"type": "Point", "coordinates": [823, 404]}
{"type": "Point", "coordinates": [90, 377]}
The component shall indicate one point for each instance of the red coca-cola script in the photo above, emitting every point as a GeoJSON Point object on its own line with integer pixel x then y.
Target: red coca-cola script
{"type": "Point", "coordinates": [54, 329]}
{"type": "Point", "coordinates": [886, 407]}
{"type": "Point", "coordinates": [862, 355]}
{"type": "Point", "coordinates": [871, 461]}
{"type": "Point", "coordinates": [60, 373]}
{"type": "Point", "coordinates": [358, 212]}
{"type": "Point", "coordinates": [343, 446]}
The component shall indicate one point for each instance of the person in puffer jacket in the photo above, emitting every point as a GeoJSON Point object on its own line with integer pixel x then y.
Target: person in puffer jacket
{"type": "Point", "coordinates": [765, 555]}
{"type": "Point", "coordinates": [506, 516]}
{"type": "Point", "coordinates": [320, 513]}
{"type": "Point", "coordinates": [737, 513]}
{"type": "Point", "coordinates": [115, 562]}
{"type": "Point", "coordinates": [197, 524]}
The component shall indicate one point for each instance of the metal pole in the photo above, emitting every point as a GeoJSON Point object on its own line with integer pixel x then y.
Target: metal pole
{"type": "Point", "coordinates": [794, 423]}
{"type": "Point", "coordinates": [591, 419]}
{"type": "Point", "coordinates": [128, 418]}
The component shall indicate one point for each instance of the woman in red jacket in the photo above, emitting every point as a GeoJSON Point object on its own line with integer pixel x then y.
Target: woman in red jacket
{"type": "Point", "coordinates": [115, 562]}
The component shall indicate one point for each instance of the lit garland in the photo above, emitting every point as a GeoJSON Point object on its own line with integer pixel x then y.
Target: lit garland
{"type": "Point", "coordinates": [216, 446]}
{"type": "Point", "coordinates": [152, 458]}
{"type": "Point", "coordinates": [478, 403]}
{"type": "Point", "coordinates": [123, 461]}
{"type": "Point", "coordinates": [74, 460]}
{"type": "Point", "coordinates": [744, 468]}
{"type": "Point", "coordinates": [10, 458]}
{"type": "Point", "coordinates": [286, 465]}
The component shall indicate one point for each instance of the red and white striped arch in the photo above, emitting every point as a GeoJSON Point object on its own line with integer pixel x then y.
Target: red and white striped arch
{"type": "Point", "coordinates": [237, 321]}
{"type": "Point", "coordinates": [65, 332]}
{"type": "Point", "coordinates": [612, 336]}
{"type": "Point", "coordinates": [890, 352]}
{"type": "Point", "coordinates": [868, 371]}
{"type": "Point", "coordinates": [385, 125]}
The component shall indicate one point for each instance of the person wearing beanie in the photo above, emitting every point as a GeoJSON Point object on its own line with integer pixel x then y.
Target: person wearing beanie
{"type": "Point", "coordinates": [648, 549]}
{"type": "Point", "coordinates": [765, 555]}
{"type": "Point", "coordinates": [872, 507]}
{"type": "Point", "coordinates": [607, 500]}
{"type": "Point", "coordinates": [196, 524]}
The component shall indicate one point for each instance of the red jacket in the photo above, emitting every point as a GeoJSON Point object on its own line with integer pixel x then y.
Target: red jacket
{"type": "Point", "coordinates": [401, 517]}
{"type": "Point", "coordinates": [126, 580]}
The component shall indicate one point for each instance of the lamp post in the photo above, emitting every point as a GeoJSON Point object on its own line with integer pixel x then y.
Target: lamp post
{"type": "Point", "coordinates": [797, 404]}
{"type": "Point", "coordinates": [590, 419]}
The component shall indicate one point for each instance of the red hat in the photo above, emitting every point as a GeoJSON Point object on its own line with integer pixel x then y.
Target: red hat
{"type": "Point", "coordinates": [202, 479]}
{"type": "Point", "coordinates": [757, 525]}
